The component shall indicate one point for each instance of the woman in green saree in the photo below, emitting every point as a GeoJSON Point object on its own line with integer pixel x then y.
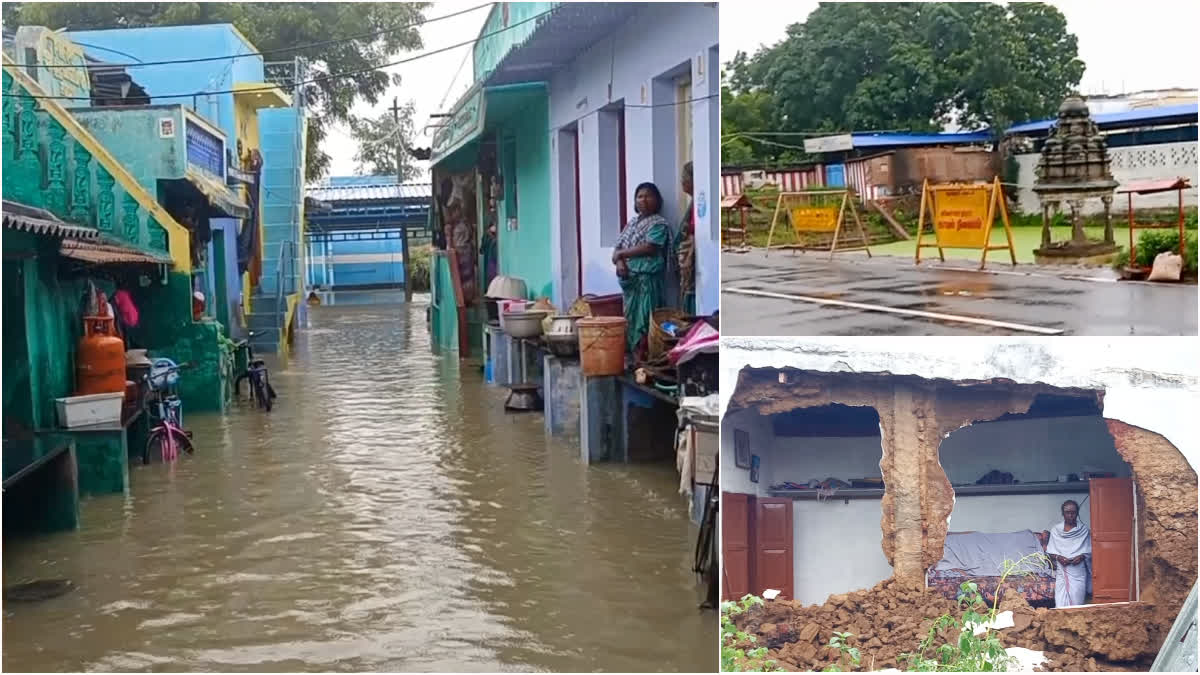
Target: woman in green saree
{"type": "Point", "coordinates": [640, 258]}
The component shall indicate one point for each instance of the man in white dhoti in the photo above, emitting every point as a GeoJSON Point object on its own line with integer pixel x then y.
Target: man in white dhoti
{"type": "Point", "coordinates": [1070, 546]}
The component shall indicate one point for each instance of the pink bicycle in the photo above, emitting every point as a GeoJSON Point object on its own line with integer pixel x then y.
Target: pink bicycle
{"type": "Point", "coordinates": [168, 436]}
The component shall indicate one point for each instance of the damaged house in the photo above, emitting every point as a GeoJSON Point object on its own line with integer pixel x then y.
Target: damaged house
{"type": "Point", "coordinates": [862, 483]}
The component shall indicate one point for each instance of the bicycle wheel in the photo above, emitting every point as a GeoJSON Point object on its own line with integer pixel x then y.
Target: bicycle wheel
{"type": "Point", "coordinates": [261, 394]}
{"type": "Point", "coordinates": [158, 438]}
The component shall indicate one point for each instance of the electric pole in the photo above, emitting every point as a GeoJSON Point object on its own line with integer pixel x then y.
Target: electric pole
{"type": "Point", "coordinates": [408, 292]}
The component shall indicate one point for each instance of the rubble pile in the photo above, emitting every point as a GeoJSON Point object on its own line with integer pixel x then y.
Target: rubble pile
{"type": "Point", "coordinates": [890, 619]}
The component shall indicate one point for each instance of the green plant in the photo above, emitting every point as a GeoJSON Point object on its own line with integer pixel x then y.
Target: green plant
{"type": "Point", "coordinates": [420, 258]}
{"type": "Point", "coordinates": [1152, 242]}
{"type": "Point", "coordinates": [963, 650]}
{"type": "Point", "coordinates": [734, 658]}
{"type": "Point", "coordinates": [847, 655]}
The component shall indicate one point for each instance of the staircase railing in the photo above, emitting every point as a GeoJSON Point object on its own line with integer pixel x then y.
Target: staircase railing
{"type": "Point", "coordinates": [287, 260]}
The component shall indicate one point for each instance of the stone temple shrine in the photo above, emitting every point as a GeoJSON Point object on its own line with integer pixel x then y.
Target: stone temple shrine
{"type": "Point", "coordinates": [1074, 167]}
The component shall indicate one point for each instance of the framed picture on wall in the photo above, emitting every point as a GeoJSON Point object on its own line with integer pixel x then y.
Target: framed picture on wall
{"type": "Point", "coordinates": [741, 449]}
{"type": "Point", "coordinates": [754, 468]}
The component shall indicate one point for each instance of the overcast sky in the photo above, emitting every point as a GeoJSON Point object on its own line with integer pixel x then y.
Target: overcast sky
{"type": "Point", "coordinates": [1127, 46]}
{"type": "Point", "coordinates": [425, 81]}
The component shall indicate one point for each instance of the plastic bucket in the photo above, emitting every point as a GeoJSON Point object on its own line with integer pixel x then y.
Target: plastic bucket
{"type": "Point", "coordinates": [602, 345]}
{"type": "Point", "coordinates": [606, 305]}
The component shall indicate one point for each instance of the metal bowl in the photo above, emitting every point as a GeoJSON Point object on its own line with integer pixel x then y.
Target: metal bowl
{"type": "Point", "coordinates": [526, 324]}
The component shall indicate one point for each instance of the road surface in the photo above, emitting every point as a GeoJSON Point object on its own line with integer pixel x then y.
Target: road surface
{"type": "Point", "coordinates": [806, 294]}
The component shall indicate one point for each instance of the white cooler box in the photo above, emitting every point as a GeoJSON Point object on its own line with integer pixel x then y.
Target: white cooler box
{"type": "Point", "coordinates": [82, 411]}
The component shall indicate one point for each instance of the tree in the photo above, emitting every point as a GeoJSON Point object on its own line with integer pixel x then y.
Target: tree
{"type": "Point", "coordinates": [377, 138]}
{"type": "Point", "coordinates": [913, 67]}
{"type": "Point", "coordinates": [274, 26]}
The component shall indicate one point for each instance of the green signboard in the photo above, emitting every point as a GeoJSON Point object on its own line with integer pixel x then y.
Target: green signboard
{"type": "Point", "coordinates": [464, 124]}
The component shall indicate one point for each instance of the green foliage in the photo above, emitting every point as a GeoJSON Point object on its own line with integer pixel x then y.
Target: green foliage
{"type": "Point", "coordinates": [905, 66]}
{"type": "Point", "coordinates": [847, 655]}
{"type": "Point", "coordinates": [734, 658]}
{"type": "Point", "coordinates": [1152, 242]}
{"type": "Point", "coordinates": [960, 649]}
{"type": "Point", "coordinates": [272, 26]}
{"type": "Point", "coordinates": [421, 259]}
{"type": "Point", "coordinates": [377, 138]}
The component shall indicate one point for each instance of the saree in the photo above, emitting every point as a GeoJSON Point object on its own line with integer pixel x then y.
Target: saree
{"type": "Point", "coordinates": [1071, 582]}
{"type": "Point", "coordinates": [644, 287]}
{"type": "Point", "coordinates": [685, 253]}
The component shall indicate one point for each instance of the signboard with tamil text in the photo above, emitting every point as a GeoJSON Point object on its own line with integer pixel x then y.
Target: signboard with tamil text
{"type": "Point", "coordinates": [959, 216]}
{"type": "Point", "coordinates": [815, 218]}
{"type": "Point", "coordinates": [962, 216]}
{"type": "Point", "coordinates": [464, 124]}
{"type": "Point", "coordinates": [829, 143]}
{"type": "Point", "coordinates": [205, 149]}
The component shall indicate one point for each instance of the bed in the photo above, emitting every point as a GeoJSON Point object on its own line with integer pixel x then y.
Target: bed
{"type": "Point", "coordinates": [980, 556]}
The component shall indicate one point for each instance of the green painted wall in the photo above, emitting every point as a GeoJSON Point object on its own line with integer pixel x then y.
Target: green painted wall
{"type": "Point", "coordinates": [443, 313]}
{"type": "Point", "coordinates": [131, 136]}
{"type": "Point", "coordinates": [524, 144]}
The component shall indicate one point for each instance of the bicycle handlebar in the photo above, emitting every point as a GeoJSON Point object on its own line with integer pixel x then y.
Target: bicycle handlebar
{"type": "Point", "coordinates": [168, 370]}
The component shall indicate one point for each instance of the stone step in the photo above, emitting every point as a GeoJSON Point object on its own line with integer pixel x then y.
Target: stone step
{"type": "Point", "coordinates": [258, 321]}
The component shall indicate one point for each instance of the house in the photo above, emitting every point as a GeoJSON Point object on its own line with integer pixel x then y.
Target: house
{"type": "Point", "coordinates": [571, 108]}
{"type": "Point", "coordinates": [264, 129]}
{"type": "Point", "coordinates": [847, 466]}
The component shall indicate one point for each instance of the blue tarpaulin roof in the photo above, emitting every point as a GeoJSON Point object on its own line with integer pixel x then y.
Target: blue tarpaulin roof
{"type": "Point", "coordinates": [1124, 118]}
{"type": "Point", "coordinates": [868, 140]}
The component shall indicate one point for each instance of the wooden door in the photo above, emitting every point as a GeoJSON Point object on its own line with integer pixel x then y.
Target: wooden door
{"type": "Point", "coordinates": [736, 537]}
{"type": "Point", "coordinates": [773, 563]}
{"type": "Point", "coordinates": [1112, 539]}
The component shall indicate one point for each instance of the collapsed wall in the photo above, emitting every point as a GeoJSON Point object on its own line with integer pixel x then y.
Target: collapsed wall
{"type": "Point", "coordinates": [915, 414]}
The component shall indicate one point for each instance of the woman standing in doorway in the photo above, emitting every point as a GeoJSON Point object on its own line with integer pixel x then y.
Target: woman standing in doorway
{"type": "Point", "coordinates": [687, 247]}
{"type": "Point", "coordinates": [1070, 546]}
{"type": "Point", "coordinates": [640, 259]}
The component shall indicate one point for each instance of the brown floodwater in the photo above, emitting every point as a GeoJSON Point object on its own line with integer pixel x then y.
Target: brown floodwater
{"type": "Point", "coordinates": [387, 515]}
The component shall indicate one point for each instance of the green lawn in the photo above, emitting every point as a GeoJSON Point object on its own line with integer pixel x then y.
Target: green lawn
{"type": "Point", "coordinates": [1026, 239]}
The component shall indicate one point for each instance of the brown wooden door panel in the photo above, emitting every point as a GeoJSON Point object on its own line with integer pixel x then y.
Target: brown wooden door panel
{"type": "Point", "coordinates": [773, 562]}
{"type": "Point", "coordinates": [1112, 539]}
{"type": "Point", "coordinates": [736, 537]}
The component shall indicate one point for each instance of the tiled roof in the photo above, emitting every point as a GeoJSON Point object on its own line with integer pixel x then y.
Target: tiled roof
{"type": "Point", "coordinates": [100, 253]}
{"type": "Point", "coordinates": [38, 221]}
{"type": "Point", "coordinates": [376, 192]}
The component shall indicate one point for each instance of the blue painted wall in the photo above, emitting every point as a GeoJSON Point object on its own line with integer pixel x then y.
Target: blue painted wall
{"type": "Point", "coordinates": [162, 43]}
{"type": "Point", "coordinates": [369, 263]}
{"type": "Point", "coordinates": [281, 131]}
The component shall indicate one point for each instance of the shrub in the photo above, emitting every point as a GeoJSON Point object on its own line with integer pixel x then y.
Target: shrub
{"type": "Point", "coordinates": [1152, 242]}
{"type": "Point", "coordinates": [420, 258]}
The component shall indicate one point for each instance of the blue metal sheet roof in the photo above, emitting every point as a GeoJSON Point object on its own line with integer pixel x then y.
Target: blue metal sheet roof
{"type": "Point", "coordinates": [1124, 118]}
{"type": "Point", "coordinates": [368, 191]}
{"type": "Point", "coordinates": [885, 139]}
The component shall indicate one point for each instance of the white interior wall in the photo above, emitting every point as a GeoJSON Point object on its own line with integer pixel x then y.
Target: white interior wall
{"type": "Point", "coordinates": [1009, 513]}
{"type": "Point", "coordinates": [1032, 450]}
{"type": "Point", "coordinates": [837, 547]}
{"type": "Point", "coordinates": [734, 479]}
{"type": "Point", "coordinates": [798, 459]}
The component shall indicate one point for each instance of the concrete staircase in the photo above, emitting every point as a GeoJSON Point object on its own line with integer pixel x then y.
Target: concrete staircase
{"type": "Point", "coordinates": [265, 321]}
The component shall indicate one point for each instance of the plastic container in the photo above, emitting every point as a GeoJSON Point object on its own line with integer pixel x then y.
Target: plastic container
{"type": "Point", "coordinates": [527, 324]}
{"type": "Point", "coordinates": [100, 363]}
{"type": "Point", "coordinates": [80, 411]}
{"type": "Point", "coordinates": [601, 345]}
{"type": "Point", "coordinates": [605, 305]}
{"type": "Point", "coordinates": [507, 307]}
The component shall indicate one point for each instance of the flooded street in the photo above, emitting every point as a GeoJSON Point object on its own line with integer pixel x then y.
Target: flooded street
{"type": "Point", "coordinates": [387, 515]}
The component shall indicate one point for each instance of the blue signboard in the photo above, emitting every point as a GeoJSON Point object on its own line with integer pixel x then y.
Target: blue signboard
{"type": "Point", "coordinates": [205, 150]}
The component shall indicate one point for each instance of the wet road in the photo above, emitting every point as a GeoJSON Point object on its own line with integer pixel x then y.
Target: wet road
{"type": "Point", "coordinates": [804, 294]}
{"type": "Point", "coordinates": [387, 515]}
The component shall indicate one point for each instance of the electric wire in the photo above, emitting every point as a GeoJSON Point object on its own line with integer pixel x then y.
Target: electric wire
{"type": "Point", "coordinates": [315, 80]}
{"type": "Point", "coordinates": [296, 48]}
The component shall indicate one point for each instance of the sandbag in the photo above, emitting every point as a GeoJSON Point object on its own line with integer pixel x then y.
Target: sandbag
{"type": "Point", "coordinates": [1167, 267]}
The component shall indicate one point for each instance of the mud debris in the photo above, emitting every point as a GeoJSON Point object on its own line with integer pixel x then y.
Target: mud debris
{"type": "Point", "coordinates": [890, 619]}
